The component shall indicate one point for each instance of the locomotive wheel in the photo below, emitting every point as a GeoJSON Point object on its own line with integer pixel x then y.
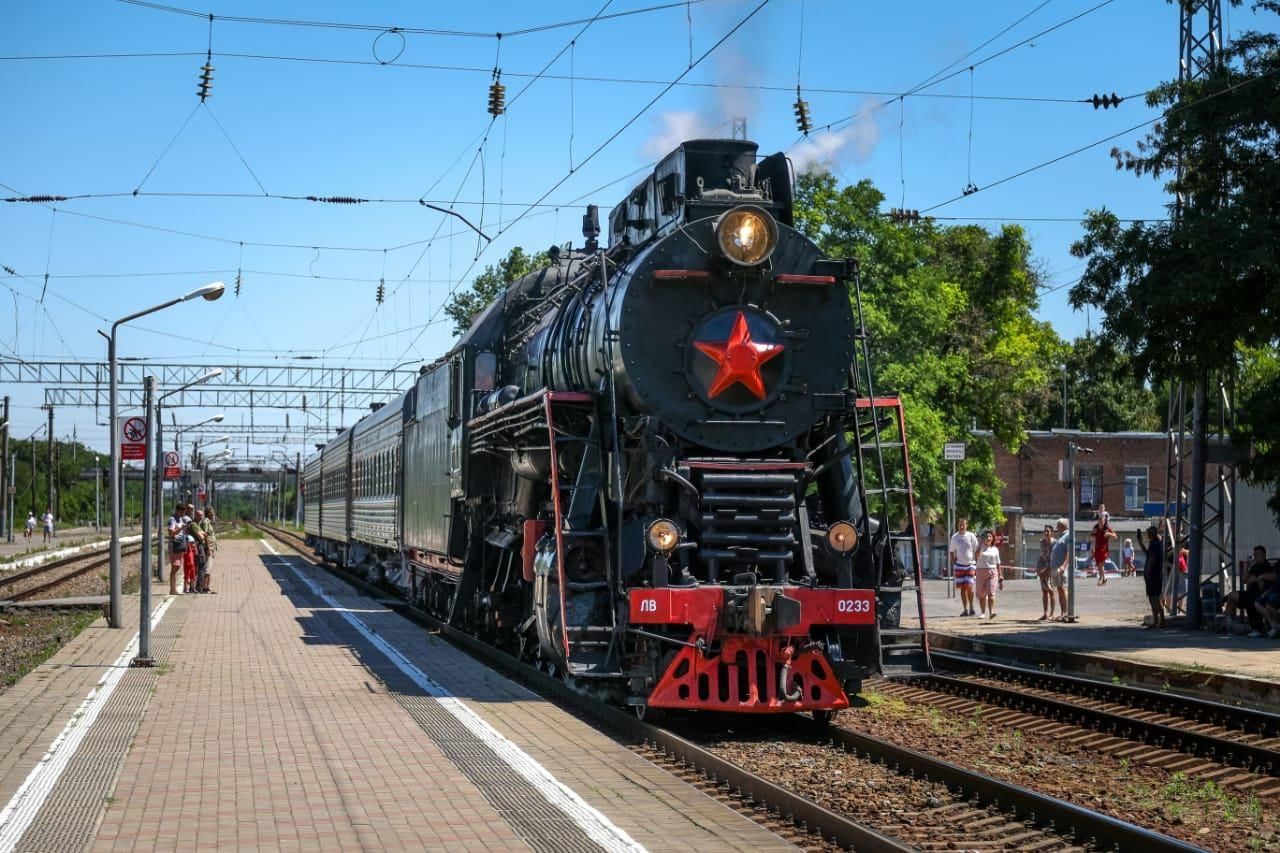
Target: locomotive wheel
{"type": "Point", "coordinates": [823, 718]}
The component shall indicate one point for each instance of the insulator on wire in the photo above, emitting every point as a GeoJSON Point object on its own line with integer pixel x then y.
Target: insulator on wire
{"type": "Point", "coordinates": [897, 214]}
{"type": "Point", "coordinates": [382, 291]}
{"type": "Point", "coordinates": [206, 80]}
{"type": "Point", "coordinates": [37, 199]}
{"type": "Point", "coordinates": [497, 96]}
{"type": "Point", "coordinates": [10, 270]}
{"type": "Point", "coordinates": [238, 280]}
{"type": "Point", "coordinates": [337, 199]}
{"type": "Point", "coordinates": [1105, 101]}
{"type": "Point", "coordinates": [970, 189]}
{"type": "Point", "coordinates": [803, 123]}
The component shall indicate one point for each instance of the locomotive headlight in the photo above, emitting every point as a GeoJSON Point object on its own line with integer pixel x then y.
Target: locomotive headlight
{"type": "Point", "coordinates": [663, 536]}
{"type": "Point", "coordinates": [747, 235]}
{"type": "Point", "coordinates": [842, 537]}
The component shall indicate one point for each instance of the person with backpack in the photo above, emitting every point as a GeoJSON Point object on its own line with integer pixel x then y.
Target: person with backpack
{"type": "Point", "coordinates": [177, 546]}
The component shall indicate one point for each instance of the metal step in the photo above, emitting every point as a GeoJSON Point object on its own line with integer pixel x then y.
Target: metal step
{"type": "Point", "coordinates": [910, 588]}
{"type": "Point", "coordinates": [900, 632]}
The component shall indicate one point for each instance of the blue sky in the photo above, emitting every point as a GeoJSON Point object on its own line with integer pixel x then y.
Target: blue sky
{"type": "Point", "coordinates": [355, 127]}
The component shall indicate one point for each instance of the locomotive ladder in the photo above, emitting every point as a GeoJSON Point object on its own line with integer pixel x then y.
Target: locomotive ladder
{"type": "Point", "coordinates": [886, 477]}
{"type": "Point", "coordinates": [593, 641]}
{"type": "Point", "coordinates": [884, 466]}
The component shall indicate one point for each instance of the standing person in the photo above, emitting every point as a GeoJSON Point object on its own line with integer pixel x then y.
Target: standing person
{"type": "Point", "coordinates": [964, 547]}
{"type": "Point", "coordinates": [1045, 573]}
{"type": "Point", "coordinates": [988, 575]}
{"type": "Point", "coordinates": [177, 547]}
{"type": "Point", "coordinates": [1180, 576]}
{"type": "Point", "coordinates": [210, 546]}
{"type": "Point", "coordinates": [1101, 548]}
{"type": "Point", "coordinates": [1127, 565]}
{"type": "Point", "coordinates": [189, 555]}
{"type": "Point", "coordinates": [1060, 560]}
{"type": "Point", "coordinates": [29, 530]}
{"type": "Point", "coordinates": [1153, 573]}
{"type": "Point", "coordinates": [48, 526]}
{"type": "Point", "coordinates": [202, 552]}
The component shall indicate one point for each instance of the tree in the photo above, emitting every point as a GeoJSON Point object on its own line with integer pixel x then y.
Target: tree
{"type": "Point", "coordinates": [1103, 393]}
{"type": "Point", "coordinates": [1199, 296]}
{"type": "Point", "coordinates": [949, 318]}
{"type": "Point", "coordinates": [463, 306]}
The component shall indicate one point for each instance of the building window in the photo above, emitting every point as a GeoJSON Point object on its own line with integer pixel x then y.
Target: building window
{"type": "Point", "coordinates": [1090, 479]}
{"type": "Point", "coordinates": [1135, 486]}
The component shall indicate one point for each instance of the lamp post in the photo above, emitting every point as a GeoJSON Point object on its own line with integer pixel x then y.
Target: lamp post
{"type": "Point", "coordinates": [143, 658]}
{"type": "Point", "coordinates": [1063, 368]}
{"type": "Point", "coordinates": [209, 292]}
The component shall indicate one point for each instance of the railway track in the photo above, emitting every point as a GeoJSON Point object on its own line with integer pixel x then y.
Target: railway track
{"type": "Point", "coordinates": [97, 559]}
{"type": "Point", "coordinates": [1236, 747]}
{"type": "Point", "coordinates": [958, 808]}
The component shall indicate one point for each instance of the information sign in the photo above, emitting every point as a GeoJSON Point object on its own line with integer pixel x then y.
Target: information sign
{"type": "Point", "coordinates": [953, 451]}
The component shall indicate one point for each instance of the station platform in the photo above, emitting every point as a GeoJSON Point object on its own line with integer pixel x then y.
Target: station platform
{"type": "Point", "coordinates": [288, 712]}
{"type": "Point", "coordinates": [1108, 639]}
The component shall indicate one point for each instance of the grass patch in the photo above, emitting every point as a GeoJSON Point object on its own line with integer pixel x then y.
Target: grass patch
{"type": "Point", "coordinates": [36, 638]}
{"type": "Point", "coordinates": [886, 706]}
{"type": "Point", "coordinates": [241, 531]}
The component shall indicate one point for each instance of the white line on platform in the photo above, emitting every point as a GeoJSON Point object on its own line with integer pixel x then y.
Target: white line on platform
{"type": "Point", "coordinates": [597, 827]}
{"type": "Point", "coordinates": [27, 801]}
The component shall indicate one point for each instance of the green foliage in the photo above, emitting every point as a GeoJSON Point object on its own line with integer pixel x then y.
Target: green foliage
{"type": "Point", "coordinates": [465, 305]}
{"type": "Point", "coordinates": [949, 317]}
{"type": "Point", "coordinates": [1200, 296]}
{"type": "Point", "coordinates": [1104, 394]}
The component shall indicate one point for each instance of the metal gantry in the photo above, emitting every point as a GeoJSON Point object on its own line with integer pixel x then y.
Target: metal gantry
{"type": "Point", "coordinates": [1201, 475]}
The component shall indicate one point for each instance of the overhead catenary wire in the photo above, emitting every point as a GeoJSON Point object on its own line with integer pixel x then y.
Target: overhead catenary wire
{"type": "Point", "coordinates": [423, 31]}
{"type": "Point", "coordinates": [1095, 143]}
{"type": "Point", "coordinates": [596, 151]}
{"type": "Point", "coordinates": [579, 78]}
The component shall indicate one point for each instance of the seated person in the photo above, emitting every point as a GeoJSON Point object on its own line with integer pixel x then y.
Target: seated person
{"type": "Point", "coordinates": [1258, 578]}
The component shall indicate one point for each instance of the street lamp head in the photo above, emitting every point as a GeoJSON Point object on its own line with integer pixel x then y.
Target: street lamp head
{"type": "Point", "coordinates": [212, 374]}
{"type": "Point", "coordinates": [217, 419]}
{"type": "Point", "coordinates": [209, 291]}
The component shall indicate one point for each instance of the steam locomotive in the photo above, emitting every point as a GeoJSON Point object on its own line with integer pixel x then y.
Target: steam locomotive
{"type": "Point", "coordinates": [656, 469]}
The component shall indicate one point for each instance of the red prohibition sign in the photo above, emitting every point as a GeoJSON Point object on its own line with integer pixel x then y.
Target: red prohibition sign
{"type": "Point", "coordinates": [135, 430]}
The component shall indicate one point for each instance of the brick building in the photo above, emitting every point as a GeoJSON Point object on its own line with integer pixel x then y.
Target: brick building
{"type": "Point", "coordinates": [1125, 470]}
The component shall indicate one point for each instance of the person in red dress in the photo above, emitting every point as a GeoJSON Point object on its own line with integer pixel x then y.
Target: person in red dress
{"type": "Point", "coordinates": [189, 556]}
{"type": "Point", "coordinates": [1101, 548]}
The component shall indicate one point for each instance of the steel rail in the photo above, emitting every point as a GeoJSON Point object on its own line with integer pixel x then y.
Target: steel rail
{"type": "Point", "coordinates": [1045, 812]}
{"type": "Point", "coordinates": [1097, 830]}
{"type": "Point", "coordinates": [1220, 749]}
{"type": "Point", "coordinates": [803, 812]}
{"type": "Point", "coordinates": [35, 571]}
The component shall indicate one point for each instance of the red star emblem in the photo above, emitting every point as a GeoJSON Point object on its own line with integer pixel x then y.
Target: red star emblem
{"type": "Point", "coordinates": [738, 359]}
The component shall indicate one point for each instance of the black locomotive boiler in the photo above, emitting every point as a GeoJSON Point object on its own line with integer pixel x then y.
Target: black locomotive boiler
{"type": "Point", "coordinates": [655, 468]}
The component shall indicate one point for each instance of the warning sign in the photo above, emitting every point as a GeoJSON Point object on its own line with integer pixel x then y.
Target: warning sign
{"type": "Point", "coordinates": [172, 469]}
{"type": "Point", "coordinates": [133, 439]}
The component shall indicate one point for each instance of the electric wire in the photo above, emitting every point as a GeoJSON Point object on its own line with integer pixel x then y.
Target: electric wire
{"type": "Point", "coordinates": [424, 31]}
{"type": "Point", "coordinates": [1094, 144]}
{"type": "Point", "coordinates": [628, 81]}
{"type": "Point", "coordinates": [630, 121]}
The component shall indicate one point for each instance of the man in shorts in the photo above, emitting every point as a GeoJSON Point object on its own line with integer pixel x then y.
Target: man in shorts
{"type": "Point", "coordinates": [210, 547]}
{"type": "Point", "coordinates": [177, 546]}
{"type": "Point", "coordinates": [29, 530]}
{"type": "Point", "coordinates": [1059, 559]}
{"type": "Point", "coordinates": [964, 550]}
{"type": "Point", "coordinates": [48, 526]}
